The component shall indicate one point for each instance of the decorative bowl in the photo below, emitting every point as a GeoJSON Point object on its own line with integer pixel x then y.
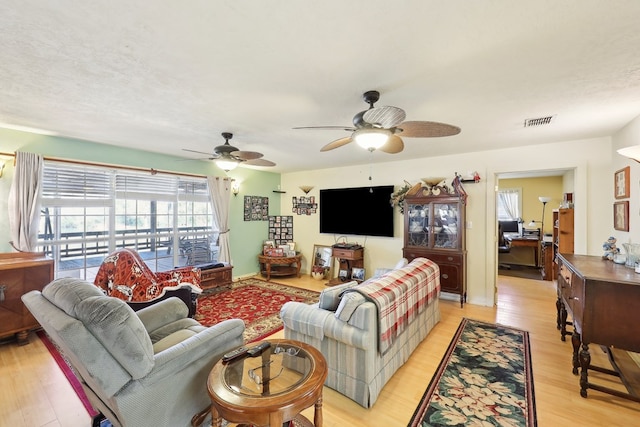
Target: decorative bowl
{"type": "Point", "coordinates": [317, 275]}
{"type": "Point", "coordinates": [431, 182]}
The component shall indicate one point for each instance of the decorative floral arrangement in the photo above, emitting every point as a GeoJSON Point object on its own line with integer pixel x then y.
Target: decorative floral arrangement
{"type": "Point", "coordinates": [397, 198]}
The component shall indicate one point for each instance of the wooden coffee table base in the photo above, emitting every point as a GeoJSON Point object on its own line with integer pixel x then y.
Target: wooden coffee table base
{"type": "Point", "coordinates": [268, 410]}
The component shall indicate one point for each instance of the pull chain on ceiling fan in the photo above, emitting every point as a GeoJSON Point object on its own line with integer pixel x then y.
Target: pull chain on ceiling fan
{"type": "Point", "coordinates": [381, 128]}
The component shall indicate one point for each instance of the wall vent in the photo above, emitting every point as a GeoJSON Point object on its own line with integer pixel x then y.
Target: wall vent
{"type": "Point", "coordinates": [539, 121]}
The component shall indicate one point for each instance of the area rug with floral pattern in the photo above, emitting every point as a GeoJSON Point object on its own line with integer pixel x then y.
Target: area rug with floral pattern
{"type": "Point", "coordinates": [484, 379]}
{"type": "Point", "coordinates": [257, 302]}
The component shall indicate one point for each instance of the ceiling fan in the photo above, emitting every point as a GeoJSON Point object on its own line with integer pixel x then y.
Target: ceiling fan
{"type": "Point", "coordinates": [228, 157]}
{"type": "Point", "coordinates": [381, 128]}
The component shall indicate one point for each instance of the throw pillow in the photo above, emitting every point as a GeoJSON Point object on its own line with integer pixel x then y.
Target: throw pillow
{"type": "Point", "coordinates": [330, 297]}
{"type": "Point", "coordinates": [348, 305]}
{"type": "Point", "coordinates": [402, 263]}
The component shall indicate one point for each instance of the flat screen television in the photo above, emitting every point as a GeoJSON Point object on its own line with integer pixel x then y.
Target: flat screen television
{"type": "Point", "coordinates": [362, 211]}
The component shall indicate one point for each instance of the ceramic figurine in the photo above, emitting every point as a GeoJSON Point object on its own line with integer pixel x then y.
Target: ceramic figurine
{"type": "Point", "coordinates": [610, 249]}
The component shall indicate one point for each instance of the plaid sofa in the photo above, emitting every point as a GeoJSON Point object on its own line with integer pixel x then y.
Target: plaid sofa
{"type": "Point", "coordinates": [345, 326]}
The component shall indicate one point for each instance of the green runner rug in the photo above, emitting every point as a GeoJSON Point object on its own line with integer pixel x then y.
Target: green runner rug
{"type": "Point", "coordinates": [484, 379]}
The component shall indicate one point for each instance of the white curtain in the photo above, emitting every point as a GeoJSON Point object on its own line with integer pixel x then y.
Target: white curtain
{"type": "Point", "coordinates": [220, 189]}
{"type": "Point", "coordinates": [24, 201]}
{"type": "Point", "coordinates": [508, 202]}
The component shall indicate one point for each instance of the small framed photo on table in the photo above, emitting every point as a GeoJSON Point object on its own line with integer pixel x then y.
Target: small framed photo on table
{"type": "Point", "coordinates": [343, 275]}
{"type": "Point", "coordinates": [621, 215]}
{"type": "Point", "coordinates": [621, 183]}
{"type": "Point", "coordinates": [357, 273]}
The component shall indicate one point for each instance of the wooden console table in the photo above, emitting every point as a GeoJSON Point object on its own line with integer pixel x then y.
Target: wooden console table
{"type": "Point", "coordinates": [603, 299]}
{"type": "Point", "coordinates": [280, 265]}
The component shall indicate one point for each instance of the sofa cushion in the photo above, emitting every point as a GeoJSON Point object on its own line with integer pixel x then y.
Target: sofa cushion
{"type": "Point", "coordinates": [348, 304]}
{"type": "Point", "coordinates": [330, 297]}
{"type": "Point", "coordinates": [120, 331]}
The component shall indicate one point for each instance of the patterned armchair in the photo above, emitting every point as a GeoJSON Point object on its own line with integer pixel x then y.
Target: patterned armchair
{"type": "Point", "coordinates": [124, 275]}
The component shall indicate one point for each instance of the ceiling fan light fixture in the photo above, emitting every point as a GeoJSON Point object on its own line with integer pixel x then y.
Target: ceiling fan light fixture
{"type": "Point", "coordinates": [371, 138]}
{"type": "Point", "coordinates": [226, 163]}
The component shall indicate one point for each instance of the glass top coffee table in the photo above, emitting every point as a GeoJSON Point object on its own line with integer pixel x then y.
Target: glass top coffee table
{"type": "Point", "coordinates": [270, 388]}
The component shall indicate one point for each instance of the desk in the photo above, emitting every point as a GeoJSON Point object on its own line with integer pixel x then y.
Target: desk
{"type": "Point", "coordinates": [527, 242]}
{"type": "Point", "coordinates": [603, 299]}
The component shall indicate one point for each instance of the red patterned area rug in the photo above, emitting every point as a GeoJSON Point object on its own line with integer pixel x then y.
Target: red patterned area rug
{"type": "Point", "coordinates": [255, 301]}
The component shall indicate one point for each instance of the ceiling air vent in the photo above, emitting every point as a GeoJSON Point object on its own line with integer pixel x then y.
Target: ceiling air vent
{"type": "Point", "coordinates": [538, 121]}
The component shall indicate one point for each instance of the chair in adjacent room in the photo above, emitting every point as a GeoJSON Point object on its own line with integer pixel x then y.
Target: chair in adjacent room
{"type": "Point", "coordinates": [123, 274]}
{"type": "Point", "coordinates": [504, 247]}
{"type": "Point", "coordinates": [143, 369]}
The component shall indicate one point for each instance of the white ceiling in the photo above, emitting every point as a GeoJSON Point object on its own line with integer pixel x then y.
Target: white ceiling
{"type": "Point", "coordinates": [168, 75]}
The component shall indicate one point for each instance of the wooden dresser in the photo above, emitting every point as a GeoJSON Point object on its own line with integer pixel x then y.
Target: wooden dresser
{"type": "Point", "coordinates": [603, 299]}
{"type": "Point", "coordinates": [20, 273]}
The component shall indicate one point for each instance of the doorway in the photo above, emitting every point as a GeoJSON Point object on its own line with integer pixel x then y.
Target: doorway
{"type": "Point", "coordinates": [524, 258]}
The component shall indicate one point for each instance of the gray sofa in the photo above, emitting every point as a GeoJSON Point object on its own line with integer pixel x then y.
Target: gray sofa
{"type": "Point", "coordinates": [144, 368]}
{"type": "Point", "coordinates": [346, 327]}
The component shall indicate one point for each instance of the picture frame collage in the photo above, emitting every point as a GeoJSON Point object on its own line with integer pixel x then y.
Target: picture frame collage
{"type": "Point", "coordinates": [280, 229]}
{"type": "Point", "coordinates": [256, 208]}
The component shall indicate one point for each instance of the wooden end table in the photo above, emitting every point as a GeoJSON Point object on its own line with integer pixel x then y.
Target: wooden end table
{"type": "Point", "coordinates": [268, 389]}
{"type": "Point", "coordinates": [280, 265]}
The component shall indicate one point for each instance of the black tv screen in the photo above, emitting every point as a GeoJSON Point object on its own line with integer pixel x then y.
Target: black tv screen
{"type": "Point", "coordinates": [363, 211]}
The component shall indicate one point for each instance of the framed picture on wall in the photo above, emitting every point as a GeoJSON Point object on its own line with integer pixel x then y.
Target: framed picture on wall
{"type": "Point", "coordinates": [621, 183]}
{"type": "Point", "coordinates": [621, 216]}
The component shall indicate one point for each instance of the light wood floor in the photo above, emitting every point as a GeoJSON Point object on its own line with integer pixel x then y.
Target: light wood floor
{"type": "Point", "coordinates": [34, 393]}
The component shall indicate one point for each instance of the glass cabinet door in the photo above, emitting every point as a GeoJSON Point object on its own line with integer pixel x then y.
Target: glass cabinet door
{"type": "Point", "coordinates": [445, 225]}
{"type": "Point", "coordinates": [418, 232]}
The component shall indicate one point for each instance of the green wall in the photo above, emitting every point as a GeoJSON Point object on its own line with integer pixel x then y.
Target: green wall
{"type": "Point", "coordinates": [246, 237]}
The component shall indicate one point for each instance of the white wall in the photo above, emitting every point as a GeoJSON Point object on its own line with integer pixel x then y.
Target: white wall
{"type": "Point", "coordinates": [590, 159]}
{"type": "Point", "coordinates": [626, 137]}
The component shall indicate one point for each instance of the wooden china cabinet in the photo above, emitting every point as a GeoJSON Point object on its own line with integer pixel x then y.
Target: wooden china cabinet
{"type": "Point", "coordinates": [434, 228]}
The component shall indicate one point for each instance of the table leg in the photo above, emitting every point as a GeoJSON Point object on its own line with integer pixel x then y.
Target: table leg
{"type": "Point", "coordinates": [199, 418]}
{"type": "Point", "coordinates": [575, 341]}
{"type": "Point", "coordinates": [585, 361]}
{"type": "Point", "coordinates": [267, 265]}
{"type": "Point", "coordinates": [299, 265]}
{"type": "Point", "coordinates": [216, 419]}
{"type": "Point", "coordinates": [317, 413]}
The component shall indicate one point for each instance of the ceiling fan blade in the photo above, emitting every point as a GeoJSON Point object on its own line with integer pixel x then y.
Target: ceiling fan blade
{"type": "Point", "coordinates": [199, 152]}
{"type": "Point", "coordinates": [347, 128]}
{"type": "Point", "coordinates": [337, 143]}
{"type": "Point", "coordinates": [199, 158]}
{"type": "Point", "coordinates": [420, 129]}
{"type": "Point", "coordinates": [258, 162]}
{"type": "Point", "coordinates": [246, 155]}
{"type": "Point", "coordinates": [385, 116]}
{"type": "Point", "coordinates": [393, 145]}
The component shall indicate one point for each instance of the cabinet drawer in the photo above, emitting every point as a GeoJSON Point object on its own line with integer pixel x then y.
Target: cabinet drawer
{"type": "Point", "coordinates": [348, 253]}
{"type": "Point", "coordinates": [444, 258]}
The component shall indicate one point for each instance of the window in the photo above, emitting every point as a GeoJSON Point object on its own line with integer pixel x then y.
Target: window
{"type": "Point", "coordinates": [89, 211]}
{"type": "Point", "coordinates": [509, 204]}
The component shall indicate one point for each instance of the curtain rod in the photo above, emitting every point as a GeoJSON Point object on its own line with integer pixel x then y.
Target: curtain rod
{"type": "Point", "coordinates": [79, 162]}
